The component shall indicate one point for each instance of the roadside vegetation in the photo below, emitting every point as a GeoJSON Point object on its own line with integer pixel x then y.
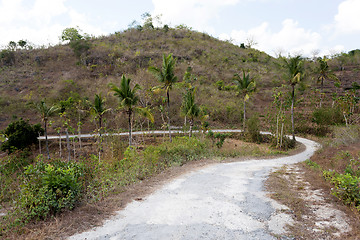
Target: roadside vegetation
{"type": "Point", "coordinates": [147, 78]}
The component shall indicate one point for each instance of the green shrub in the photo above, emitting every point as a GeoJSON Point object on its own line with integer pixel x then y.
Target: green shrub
{"type": "Point", "coordinates": [327, 116]}
{"type": "Point", "coordinates": [346, 187]}
{"type": "Point", "coordinates": [220, 84]}
{"type": "Point", "coordinates": [353, 168]}
{"type": "Point", "coordinates": [287, 143]}
{"type": "Point", "coordinates": [7, 57]}
{"type": "Point", "coordinates": [218, 138]}
{"type": "Point", "coordinates": [49, 188]}
{"type": "Point", "coordinates": [181, 150]}
{"type": "Point", "coordinates": [80, 46]}
{"type": "Point", "coordinates": [312, 164]}
{"type": "Point", "coordinates": [253, 129]}
{"type": "Point", "coordinates": [20, 135]}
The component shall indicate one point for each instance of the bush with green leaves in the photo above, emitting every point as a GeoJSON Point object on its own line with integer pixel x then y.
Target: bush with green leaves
{"type": "Point", "coordinates": [253, 130]}
{"type": "Point", "coordinates": [49, 188]}
{"type": "Point", "coordinates": [353, 167]}
{"type": "Point", "coordinates": [20, 135]}
{"type": "Point", "coordinates": [287, 143]}
{"type": "Point", "coordinates": [327, 116]}
{"type": "Point", "coordinates": [219, 138]}
{"type": "Point", "coordinates": [346, 187]}
{"type": "Point", "coordinates": [7, 57]}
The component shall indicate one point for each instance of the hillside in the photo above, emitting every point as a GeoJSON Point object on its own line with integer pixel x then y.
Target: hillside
{"type": "Point", "coordinates": [55, 74]}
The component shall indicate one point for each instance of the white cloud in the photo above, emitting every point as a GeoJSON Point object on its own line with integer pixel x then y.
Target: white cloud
{"type": "Point", "coordinates": [291, 38]}
{"type": "Point", "coordinates": [348, 18]}
{"type": "Point", "coordinates": [40, 22]}
{"type": "Point", "coordinates": [10, 10]}
{"type": "Point", "coordinates": [194, 13]}
{"type": "Point", "coordinates": [44, 10]}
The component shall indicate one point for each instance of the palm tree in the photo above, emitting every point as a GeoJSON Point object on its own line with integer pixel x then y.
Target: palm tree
{"type": "Point", "coordinates": [294, 67]}
{"type": "Point", "coordinates": [167, 78]}
{"type": "Point", "coordinates": [323, 73]}
{"type": "Point", "coordinates": [189, 108]}
{"type": "Point", "coordinates": [98, 110]}
{"type": "Point", "coordinates": [128, 100]}
{"type": "Point", "coordinates": [244, 86]}
{"type": "Point", "coordinates": [46, 112]}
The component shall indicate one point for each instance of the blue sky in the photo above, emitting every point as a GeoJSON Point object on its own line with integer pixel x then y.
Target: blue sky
{"type": "Point", "coordinates": [277, 26]}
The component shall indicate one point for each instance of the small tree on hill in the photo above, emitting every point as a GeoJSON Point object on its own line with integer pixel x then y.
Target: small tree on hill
{"type": "Point", "coordinates": [79, 43]}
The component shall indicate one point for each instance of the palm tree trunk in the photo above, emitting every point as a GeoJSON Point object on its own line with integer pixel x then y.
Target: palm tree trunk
{"type": "Point", "coordinates": [244, 120]}
{"type": "Point", "coordinates": [39, 144]}
{"type": "Point", "coordinates": [60, 150]}
{"type": "Point", "coordinates": [74, 146]}
{"type": "Point", "coordinates": [68, 144]}
{"type": "Point", "coordinates": [46, 140]}
{"type": "Point", "coordinates": [191, 126]}
{"type": "Point", "coordinates": [129, 127]}
{"type": "Point", "coordinates": [79, 131]}
{"type": "Point", "coordinates": [100, 120]}
{"type": "Point", "coordinates": [168, 113]}
{"type": "Point", "coordinates": [292, 111]}
{"type": "Point", "coordinates": [346, 121]}
{"type": "Point", "coordinates": [277, 130]}
{"type": "Point", "coordinates": [282, 134]}
{"type": "Point", "coordinates": [321, 92]}
{"type": "Point", "coordinates": [184, 128]}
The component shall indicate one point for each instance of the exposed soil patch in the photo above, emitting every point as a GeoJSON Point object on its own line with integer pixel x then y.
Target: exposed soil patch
{"type": "Point", "coordinates": [317, 214]}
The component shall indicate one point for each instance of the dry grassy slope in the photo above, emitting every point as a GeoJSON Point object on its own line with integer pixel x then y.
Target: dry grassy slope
{"type": "Point", "coordinates": [52, 73]}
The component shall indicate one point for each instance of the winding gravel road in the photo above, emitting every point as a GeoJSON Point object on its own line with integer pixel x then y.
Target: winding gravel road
{"type": "Point", "coordinates": [220, 201]}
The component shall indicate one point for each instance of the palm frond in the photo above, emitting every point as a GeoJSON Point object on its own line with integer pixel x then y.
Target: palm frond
{"type": "Point", "coordinates": [144, 112]}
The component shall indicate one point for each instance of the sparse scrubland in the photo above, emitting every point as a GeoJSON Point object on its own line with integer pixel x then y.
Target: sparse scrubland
{"type": "Point", "coordinates": [147, 78]}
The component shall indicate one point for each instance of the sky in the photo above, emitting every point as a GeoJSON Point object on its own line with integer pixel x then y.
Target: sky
{"type": "Point", "coordinates": [306, 27]}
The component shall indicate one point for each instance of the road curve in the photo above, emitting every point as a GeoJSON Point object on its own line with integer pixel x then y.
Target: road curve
{"type": "Point", "coordinates": [220, 201]}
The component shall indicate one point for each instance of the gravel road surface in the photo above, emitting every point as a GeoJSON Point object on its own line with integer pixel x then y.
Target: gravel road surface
{"type": "Point", "coordinates": [220, 201]}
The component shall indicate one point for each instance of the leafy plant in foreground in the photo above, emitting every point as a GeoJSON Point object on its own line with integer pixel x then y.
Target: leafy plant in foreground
{"type": "Point", "coordinates": [346, 187]}
{"type": "Point", "coordinates": [49, 188]}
